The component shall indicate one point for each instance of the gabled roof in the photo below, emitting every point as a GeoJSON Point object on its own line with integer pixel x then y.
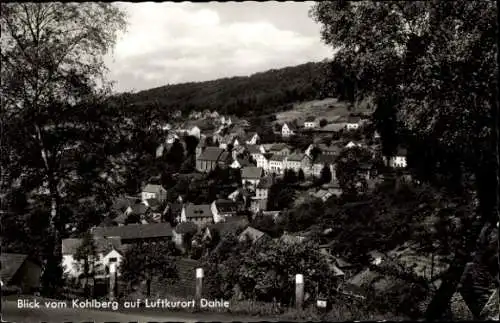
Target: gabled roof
{"type": "Point", "coordinates": [277, 157]}
{"type": "Point", "coordinates": [252, 172]}
{"type": "Point", "coordinates": [310, 119]}
{"type": "Point", "coordinates": [11, 262]}
{"type": "Point", "coordinates": [331, 148]}
{"type": "Point", "coordinates": [290, 126]}
{"type": "Point", "coordinates": [325, 159]}
{"type": "Point", "coordinates": [153, 188]}
{"type": "Point", "coordinates": [253, 149]}
{"type": "Point", "coordinates": [278, 146]}
{"type": "Point", "coordinates": [401, 152]}
{"type": "Point", "coordinates": [103, 245]}
{"type": "Point", "coordinates": [211, 154]}
{"type": "Point", "coordinates": [252, 234]}
{"type": "Point", "coordinates": [226, 205]}
{"type": "Point", "coordinates": [198, 211]}
{"type": "Point", "coordinates": [243, 162]}
{"type": "Point", "coordinates": [250, 135]}
{"type": "Point", "coordinates": [135, 231]}
{"type": "Point", "coordinates": [296, 157]}
{"type": "Point", "coordinates": [353, 119]}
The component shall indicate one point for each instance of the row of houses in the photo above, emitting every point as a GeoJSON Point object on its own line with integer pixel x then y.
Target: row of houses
{"type": "Point", "coordinates": [312, 123]}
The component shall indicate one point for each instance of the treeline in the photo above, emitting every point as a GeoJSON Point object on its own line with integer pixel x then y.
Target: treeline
{"type": "Point", "coordinates": [258, 94]}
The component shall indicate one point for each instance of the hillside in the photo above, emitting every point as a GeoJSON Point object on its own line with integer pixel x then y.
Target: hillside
{"type": "Point", "coordinates": [261, 93]}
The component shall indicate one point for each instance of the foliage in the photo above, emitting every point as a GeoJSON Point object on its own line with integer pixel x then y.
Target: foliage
{"type": "Point", "coordinates": [281, 196]}
{"type": "Point", "coordinates": [265, 93]}
{"type": "Point", "coordinates": [290, 176]}
{"type": "Point", "coordinates": [304, 216]}
{"type": "Point", "coordinates": [325, 175]}
{"type": "Point", "coordinates": [87, 253]}
{"type": "Point", "coordinates": [147, 261]}
{"type": "Point", "coordinates": [268, 271]}
{"type": "Point", "coordinates": [301, 176]}
{"type": "Point", "coordinates": [349, 172]}
{"type": "Point", "coordinates": [52, 63]}
{"type": "Point", "coordinates": [430, 67]}
{"type": "Point", "coordinates": [323, 122]}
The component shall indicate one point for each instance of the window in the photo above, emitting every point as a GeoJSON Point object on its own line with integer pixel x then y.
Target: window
{"type": "Point", "coordinates": [112, 259]}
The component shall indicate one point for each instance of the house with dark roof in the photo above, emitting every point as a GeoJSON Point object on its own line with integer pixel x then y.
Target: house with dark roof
{"type": "Point", "coordinates": [353, 123]}
{"type": "Point", "coordinates": [200, 214]}
{"type": "Point", "coordinates": [276, 164]}
{"type": "Point", "coordinates": [252, 235]}
{"type": "Point", "coordinates": [209, 159]}
{"type": "Point", "coordinates": [154, 191]}
{"type": "Point", "coordinates": [298, 161]}
{"type": "Point", "coordinates": [333, 150]}
{"type": "Point", "coordinates": [133, 233]}
{"type": "Point", "coordinates": [399, 159]}
{"type": "Point", "coordinates": [21, 272]}
{"type": "Point", "coordinates": [108, 250]}
{"type": "Point", "coordinates": [310, 122]}
{"type": "Point", "coordinates": [288, 130]}
{"type": "Point", "coordinates": [252, 138]}
{"type": "Point", "coordinates": [259, 201]}
{"type": "Point", "coordinates": [251, 176]}
{"type": "Point", "coordinates": [222, 209]}
{"type": "Point", "coordinates": [280, 149]}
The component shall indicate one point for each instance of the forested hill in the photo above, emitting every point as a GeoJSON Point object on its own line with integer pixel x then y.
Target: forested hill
{"type": "Point", "coordinates": [258, 94]}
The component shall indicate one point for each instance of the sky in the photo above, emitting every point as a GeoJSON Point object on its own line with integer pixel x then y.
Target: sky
{"type": "Point", "coordinates": [169, 43]}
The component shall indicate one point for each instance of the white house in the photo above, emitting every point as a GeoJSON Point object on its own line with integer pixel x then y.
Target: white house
{"type": "Point", "coordinates": [153, 191]}
{"type": "Point", "coordinates": [108, 250]}
{"type": "Point", "coordinates": [288, 130]}
{"type": "Point", "coordinates": [251, 175]}
{"type": "Point", "coordinates": [352, 144]}
{"type": "Point", "coordinates": [353, 123]}
{"type": "Point", "coordinates": [276, 164]}
{"type": "Point", "coordinates": [252, 139]}
{"type": "Point", "coordinates": [310, 123]}
{"type": "Point", "coordinates": [195, 132]}
{"type": "Point", "coordinates": [259, 201]}
{"type": "Point", "coordinates": [399, 160]}
{"type": "Point", "coordinates": [297, 162]}
{"type": "Point", "coordinates": [236, 142]}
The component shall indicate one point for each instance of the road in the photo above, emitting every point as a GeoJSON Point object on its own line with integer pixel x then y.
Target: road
{"type": "Point", "coordinates": [11, 313]}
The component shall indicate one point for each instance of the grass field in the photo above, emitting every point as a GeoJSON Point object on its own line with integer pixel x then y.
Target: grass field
{"type": "Point", "coordinates": [330, 109]}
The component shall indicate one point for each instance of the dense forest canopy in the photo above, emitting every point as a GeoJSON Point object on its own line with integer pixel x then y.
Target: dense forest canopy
{"type": "Point", "coordinates": [260, 93]}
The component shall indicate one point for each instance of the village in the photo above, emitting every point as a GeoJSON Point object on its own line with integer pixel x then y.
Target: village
{"type": "Point", "coordinates": [152, 215]}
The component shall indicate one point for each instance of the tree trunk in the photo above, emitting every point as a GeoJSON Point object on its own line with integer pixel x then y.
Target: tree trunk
{"type": "Point", "coordinates": [474, 242]}
{"type": "Point", "coordinates": [148, 286]}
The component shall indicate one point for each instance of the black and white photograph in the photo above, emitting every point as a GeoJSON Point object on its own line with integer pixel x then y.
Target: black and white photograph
{"type": "Point", "coordinates": [249, 161]}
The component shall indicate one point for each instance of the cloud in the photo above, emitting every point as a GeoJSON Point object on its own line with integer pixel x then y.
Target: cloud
{"type": "Point", "coordinates": [185, 42]}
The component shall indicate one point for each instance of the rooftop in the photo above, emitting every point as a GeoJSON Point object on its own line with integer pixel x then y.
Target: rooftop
{"type": "Point", "coordinates": [135, 231]}
{"type": "Point", "coordinates": [252, 172]}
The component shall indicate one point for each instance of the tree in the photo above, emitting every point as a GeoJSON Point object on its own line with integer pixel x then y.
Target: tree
{"type": "Point", "coordinates": [281, 196]}
{"type": "Point", "coordinates": [323, 122]}
{"type": "Point", "coordinates": [301, 176]}
{"type": "Point", "coordinates": [87, 253]}
{"type": "Point", "coordinates": [348, 170]}
{"type": "Point", "coordinates": [149, 261]}
{"type": "Point", "coordinates": [52, 59]}
{"type": "Point", "coordinates": [191, 144]}
{"type": "Point", "coordinates": [290, 177]}
{"type": "Point", "coordinates": [325, 175]}
{"type": "Point", "coordinates": [406, 61]}
{"type": "Point", "coordinates": [175, 155]}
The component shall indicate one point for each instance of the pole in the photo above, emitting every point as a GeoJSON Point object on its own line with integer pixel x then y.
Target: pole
{"type": "Point", "coordinates": [199, 285]}
{"type": "Point", "coordinates": [112, 280]}
{"type": "Point", "coordinates": [299, 291]}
